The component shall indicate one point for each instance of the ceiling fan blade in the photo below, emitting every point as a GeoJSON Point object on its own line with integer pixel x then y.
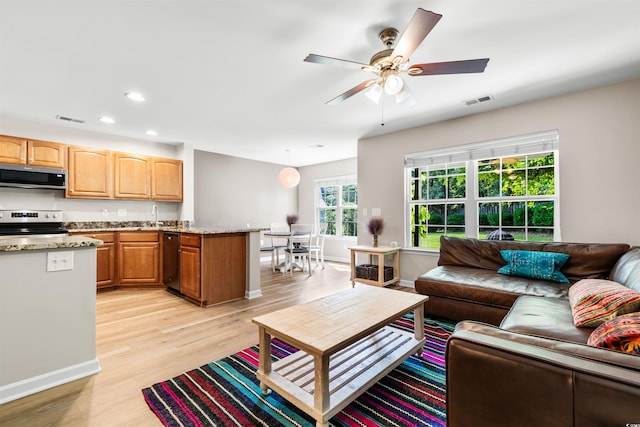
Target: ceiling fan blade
{"type": "Point", "coordinates": [325, 60]}
{"type": "Point", "coordinates": [362, 86]}
{"type": "Point", "coordinates": [453, 67]}
{"type": "Point", "coordinates": [420, 25]}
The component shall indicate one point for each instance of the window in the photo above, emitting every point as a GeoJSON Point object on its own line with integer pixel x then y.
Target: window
{"type": "Point", "coordinates": [337, 206]}
{"type": "Point", "coordinates": [506, 188]}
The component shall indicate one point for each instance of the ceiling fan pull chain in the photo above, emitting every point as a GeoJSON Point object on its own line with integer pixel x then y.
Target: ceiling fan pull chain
{"type": "Point", "coordinates": [382, 113]}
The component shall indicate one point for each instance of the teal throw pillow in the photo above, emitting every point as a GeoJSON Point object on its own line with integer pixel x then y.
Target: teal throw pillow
{"type": "Point", "coordinates": [536, 265]}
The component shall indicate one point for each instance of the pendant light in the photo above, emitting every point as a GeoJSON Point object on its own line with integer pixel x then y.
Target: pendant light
{"type": "Point", "coordinates": [289, 177]}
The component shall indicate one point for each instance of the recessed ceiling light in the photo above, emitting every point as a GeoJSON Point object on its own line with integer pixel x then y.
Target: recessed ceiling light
{"type": "Point", "coordinates": [135, 96]}
{"type": "Point", "coordinates": [106, 119]}
{"type": "Point", "coordinates": [151, 132]}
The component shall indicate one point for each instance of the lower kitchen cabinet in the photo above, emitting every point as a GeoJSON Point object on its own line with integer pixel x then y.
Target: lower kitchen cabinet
{"type": "Point", "coordinates": [105, 258]}
{"type": "Point", "coordinates": [139, 258]}
{"type": "Point", "coordinates": [190, 266]}
{"type": "Point", "coordinates": [213, 267]}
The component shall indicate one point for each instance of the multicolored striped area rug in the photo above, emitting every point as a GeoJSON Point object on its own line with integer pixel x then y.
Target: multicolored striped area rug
{"type": "Point", "coordinates": [227, 393]}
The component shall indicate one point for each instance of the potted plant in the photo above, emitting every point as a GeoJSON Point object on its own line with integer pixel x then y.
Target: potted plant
{"type": "Point", "coordinates": [375, 227]}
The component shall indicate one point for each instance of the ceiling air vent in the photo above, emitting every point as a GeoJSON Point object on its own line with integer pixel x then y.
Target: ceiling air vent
{"type": "Point", "coordinates": [69, 119]}
{"type": "Point", "coordinates": [478, 100]}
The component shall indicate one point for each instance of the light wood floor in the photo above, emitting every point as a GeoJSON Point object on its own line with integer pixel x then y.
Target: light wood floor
{"type": "Point", "coordinates": [146, 336]}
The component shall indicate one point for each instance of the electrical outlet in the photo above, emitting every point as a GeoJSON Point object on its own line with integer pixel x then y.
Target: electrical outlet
{"type": "Point", "coordinates": [364, 212]}
{"type": "Point", "coordinates": [122, 212]}
{"type": "Point", "coordinates": [59, 261]}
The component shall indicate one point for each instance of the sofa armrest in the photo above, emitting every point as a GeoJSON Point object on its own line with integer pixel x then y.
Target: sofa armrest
{"type": "Point", "coordinates": [497, 377]}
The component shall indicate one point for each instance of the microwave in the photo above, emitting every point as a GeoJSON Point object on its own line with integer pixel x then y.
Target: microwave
{"type": "Point", "coordinates": [21, 176]}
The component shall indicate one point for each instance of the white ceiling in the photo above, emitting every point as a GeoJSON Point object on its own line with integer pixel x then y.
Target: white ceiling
{"type": "Point", "coordinates": [228, 76]}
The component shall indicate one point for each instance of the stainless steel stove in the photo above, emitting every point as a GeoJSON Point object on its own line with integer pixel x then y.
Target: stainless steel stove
{"type": "Point", "coordinates": [31, 223]}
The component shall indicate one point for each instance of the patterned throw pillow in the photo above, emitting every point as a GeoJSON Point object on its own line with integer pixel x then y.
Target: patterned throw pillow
{"type": "Point", "coordinates": [594, 301]}
{"type": "Point", "coordinates": [536, 265]}
{"type": "Point", "coordinates": [621, 333]}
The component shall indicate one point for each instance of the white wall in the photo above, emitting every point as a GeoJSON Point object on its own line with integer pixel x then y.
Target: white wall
{"type": "Point", "coordinates": [599, 132]}
{"type": "Point", "coordinates": [336, 249]}
{"type": "Point", "coordinates": [233, 191]}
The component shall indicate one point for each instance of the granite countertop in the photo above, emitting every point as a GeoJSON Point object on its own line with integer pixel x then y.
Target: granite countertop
{"type": "Point", "coordinates": [51, 242]}
{"type": "Point", "coordinates": [76, 241]}
{"type": "Point", "coordinates": [194, 230]}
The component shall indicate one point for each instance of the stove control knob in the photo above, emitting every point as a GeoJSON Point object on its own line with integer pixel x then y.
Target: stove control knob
{"type": "Point", "coordinates": [46, 215]}
{"type": "Point", "coordinates": [55, 215]}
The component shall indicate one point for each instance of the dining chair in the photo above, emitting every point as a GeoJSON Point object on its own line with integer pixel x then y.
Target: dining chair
{"type": "Point", "coordinates": [299, 247]}
{"type": "Point", "coordinates": [317, 247]}
{"type": "Point", "coordinates": [279, 243]}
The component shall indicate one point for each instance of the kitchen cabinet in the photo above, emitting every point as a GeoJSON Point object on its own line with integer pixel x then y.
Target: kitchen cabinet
{"type": "Point", "coordinates": [166, 179]}
{"type": "Point", "coordinates": [132, 176]}
{"type": "Point", "coordinates": [105, 258]}
{"type": "Point", "coordinates": [22, 151]}
{"type": "Point", "coordinates": [190, 267]}
{"type": "Point", "coordinates": [90, 173]}
{"type": "Point", "coordinates": [139, 258]}
{"type": "Point", "coordinates": [213, 267]}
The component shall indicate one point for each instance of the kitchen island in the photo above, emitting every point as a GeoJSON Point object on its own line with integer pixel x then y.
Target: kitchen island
{"type": "Point", "coordinates": [217, 264]}
{"type": "Point", "coordinates": [47, 313]}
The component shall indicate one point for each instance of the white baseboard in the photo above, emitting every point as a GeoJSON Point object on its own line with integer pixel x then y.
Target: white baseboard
{"type": "Point", "coordinates": [253, 294]}
{"type": "Point", "coordinates": [38, 383]}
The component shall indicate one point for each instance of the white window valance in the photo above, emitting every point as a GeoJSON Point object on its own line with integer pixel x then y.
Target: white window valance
{"type": "Point", "coordinates": [511, 146]}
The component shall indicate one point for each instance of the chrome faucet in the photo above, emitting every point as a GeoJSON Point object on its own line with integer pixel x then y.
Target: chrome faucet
{"type": "Point", "coordinates": [154, 211]}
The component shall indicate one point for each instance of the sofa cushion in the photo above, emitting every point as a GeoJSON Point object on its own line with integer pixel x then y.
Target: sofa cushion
{"type": "Point", "coordinates": [627, 270]}
{"type": "Point", "coordinates": [586, 260]}
{"type": "Point", "coordinates": [544, 317]}
{"type": "Point", "coordinates": [484, 286]}
{"type": "Point", "coordinates": [620, 333]}
{"type": "Point", "coordinates": [534, 264]}
{"type": "Point", "coordinates": [593, 301]}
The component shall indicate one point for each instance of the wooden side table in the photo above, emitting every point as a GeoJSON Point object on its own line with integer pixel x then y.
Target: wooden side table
{"type": "Point", "coordinates": [380, 252]}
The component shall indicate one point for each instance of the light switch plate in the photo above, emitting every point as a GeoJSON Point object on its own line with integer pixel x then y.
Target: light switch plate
{"type": "Point", "coordinates": [59, 261]}
{"type": "Point", "coordinates": [376, 211]}
{"type": "Point", "coordinates": [122, 212]}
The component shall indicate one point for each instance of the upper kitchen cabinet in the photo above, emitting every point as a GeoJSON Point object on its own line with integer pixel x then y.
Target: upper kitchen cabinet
{"type": "Point", "coordinates": [132, 173]}
{"type": "Point", "coordinates": [32, 152]}
{"type": "Point", "coordinates": [90, 173]}
{"type": "Point", "coordinates": [166, 179]}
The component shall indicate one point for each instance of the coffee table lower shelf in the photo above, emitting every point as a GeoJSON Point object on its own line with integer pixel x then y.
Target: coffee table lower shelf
{"type": "Point", "coordinates": [351, 372]}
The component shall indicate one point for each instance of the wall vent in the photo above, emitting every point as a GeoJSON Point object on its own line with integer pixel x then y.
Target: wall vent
{"type": "Point", "coordinates": [478, 100]}
{"type": "Point", "coordinates": [69, 119]}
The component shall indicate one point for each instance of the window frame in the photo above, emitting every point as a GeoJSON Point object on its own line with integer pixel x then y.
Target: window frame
{"type": "Point", "coordinates": [340, 207]}
{"type": "Point", "coordinates": [471, 154]}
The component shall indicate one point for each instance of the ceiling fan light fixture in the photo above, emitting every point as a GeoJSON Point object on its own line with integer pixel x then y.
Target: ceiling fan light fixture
{"type": "Point", "coordinates": [375, 93]}
{"type": "Point", "coordinates": [393, 85]}
{"type": "Point", "coordinates": [405, 98]}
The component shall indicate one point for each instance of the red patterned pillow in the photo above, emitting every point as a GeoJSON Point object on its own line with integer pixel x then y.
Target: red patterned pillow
{"type": "Point", "coordinates": [594, 301]}
{"type": "Point", "coordinates": [621, 333]}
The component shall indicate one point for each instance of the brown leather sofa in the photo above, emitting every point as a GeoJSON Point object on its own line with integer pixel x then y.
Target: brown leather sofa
{"type": "Point", "coordinates": [467, 286]}
{"type": "Point", "coordinates": [535, 368]}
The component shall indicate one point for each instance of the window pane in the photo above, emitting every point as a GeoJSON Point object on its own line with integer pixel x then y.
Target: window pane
{"type": "Point", "coordinates": [541, 181]}
{"type": "Point", "coordinates": [328, 196]}
{"type": "Point", "coordinates": [435, 214]}
{"type": "Point", "coordinates": [328, 216]}
{"type": "Point", "coordinates": [488, 184]}
{"type": "Point", "coordinates": [457, 187]}
{"type": "Point", "coordinates": [489, 214]}
{"type": "Point", "coordinates": [349, 195]}
{"type": "Point", "coordinates": [540, 214]}
{"type": "Point", "coordinates": [455, 214]}
{"type": "Point", "coordinates": [513, 183]}
{"type": "Point", "coordinates": [488, 165]}
{"type": "Point", "coordinates": [437, 188]}
{"type": "Point", "coordinates": [349, 222]}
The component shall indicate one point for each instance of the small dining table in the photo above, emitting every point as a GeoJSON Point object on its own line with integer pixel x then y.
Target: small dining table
{"type": "Point", "coordinates": [284, 266]}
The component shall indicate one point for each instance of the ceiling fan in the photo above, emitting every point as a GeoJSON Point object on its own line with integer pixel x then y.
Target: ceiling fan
{"type": "Point", "coordinates": [394, 60]}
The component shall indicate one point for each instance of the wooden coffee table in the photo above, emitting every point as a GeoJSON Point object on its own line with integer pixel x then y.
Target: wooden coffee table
{"type": "Point", "coordinates": [345, 346]}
